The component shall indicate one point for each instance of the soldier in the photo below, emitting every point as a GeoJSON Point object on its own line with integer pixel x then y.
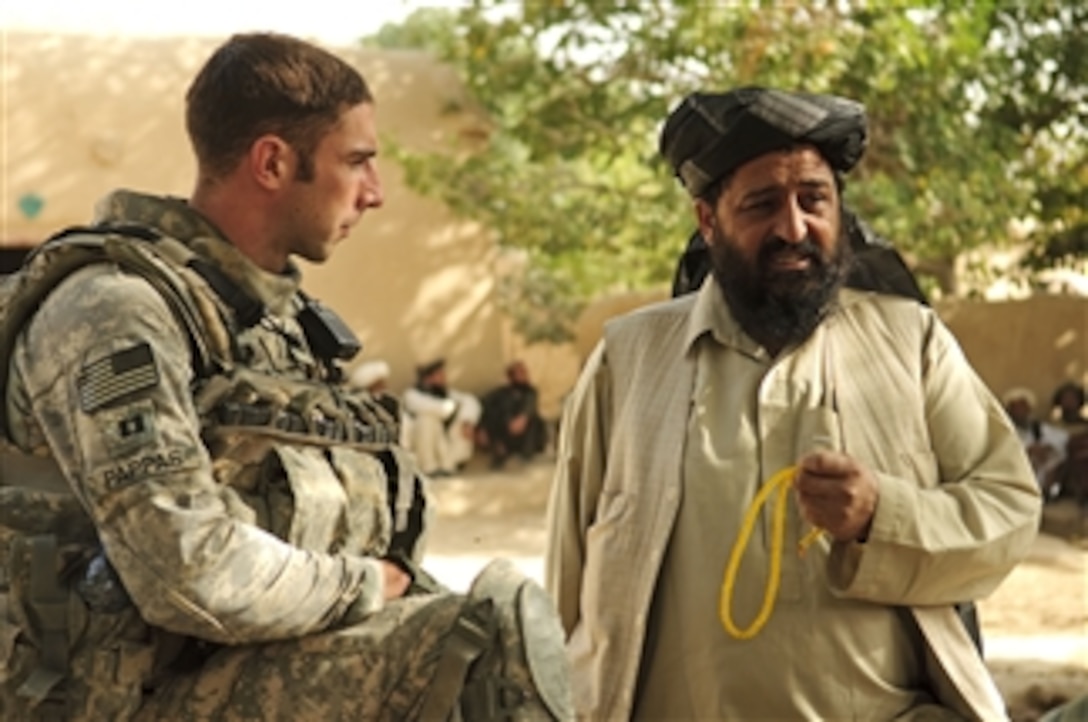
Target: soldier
{"type": "Point", "coordinates": [234, 533]}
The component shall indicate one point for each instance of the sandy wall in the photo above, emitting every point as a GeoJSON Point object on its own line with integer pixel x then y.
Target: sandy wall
{"type": "Point", "coordinates": [1038, 342]}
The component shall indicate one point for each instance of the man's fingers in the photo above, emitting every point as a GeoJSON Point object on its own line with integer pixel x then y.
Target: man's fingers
{"type": "Point", "coordinates": [836, 493]}
{"type": "Point", "coordinates": [827, 463]}
{"type": "Point", "coordinates": [813, 486]}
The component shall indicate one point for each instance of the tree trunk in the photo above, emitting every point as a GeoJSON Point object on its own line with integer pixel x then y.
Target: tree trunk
{"type": "Point", "coordinates": [946, 271]}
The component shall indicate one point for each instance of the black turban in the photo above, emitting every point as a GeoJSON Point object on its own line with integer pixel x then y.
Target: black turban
{"type": "Point", "coordinates": [709, 135]}
{"type": "Point", "coordinates": [425, 370]}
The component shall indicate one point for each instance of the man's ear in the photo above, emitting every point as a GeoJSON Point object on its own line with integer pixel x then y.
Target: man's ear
{"type": "Point", "coordinates": [705, 218]}
{"type": "Point", "coordinates": [271, 161]}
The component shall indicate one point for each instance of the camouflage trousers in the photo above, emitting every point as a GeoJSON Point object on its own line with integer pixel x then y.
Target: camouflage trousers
{"type": "Point", "coordinates": [376, 670]}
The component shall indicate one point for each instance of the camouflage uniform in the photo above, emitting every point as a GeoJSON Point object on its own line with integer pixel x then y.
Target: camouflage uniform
{"type": "Point", "coordinates": [243, 513]}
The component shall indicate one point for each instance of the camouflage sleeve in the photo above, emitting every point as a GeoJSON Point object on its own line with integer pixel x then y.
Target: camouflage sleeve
{"type": "Point", "coordinates": [107, 372]}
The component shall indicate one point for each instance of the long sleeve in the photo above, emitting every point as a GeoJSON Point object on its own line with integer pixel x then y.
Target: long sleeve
{"type": "Point", "coordinates": [957, 539]}
{"type": "Point", "coordinates": [421, 403]}
{"type": "Point", "coordinates": [579, 478]}
{"type": "Point", "coordinates": [106, 370]}
{"type": "Point", "coordinates": [469, 408]}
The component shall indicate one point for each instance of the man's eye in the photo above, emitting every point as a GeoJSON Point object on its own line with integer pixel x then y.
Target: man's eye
{"type": "Point", "coordinates": [763, 205]}
{"type": "Point", "coordinates": [814, 201]}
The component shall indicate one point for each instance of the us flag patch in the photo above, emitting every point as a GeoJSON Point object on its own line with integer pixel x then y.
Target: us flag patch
{"type": "Point", "coordinates": [116, 376]}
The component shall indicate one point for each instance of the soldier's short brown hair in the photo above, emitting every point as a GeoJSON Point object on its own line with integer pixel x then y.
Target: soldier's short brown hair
{"type": "Point", "coordinates": [260, 83]}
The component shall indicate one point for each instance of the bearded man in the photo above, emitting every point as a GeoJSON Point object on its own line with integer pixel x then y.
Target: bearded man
{"type": "Point", "coordinates": [892, 450]}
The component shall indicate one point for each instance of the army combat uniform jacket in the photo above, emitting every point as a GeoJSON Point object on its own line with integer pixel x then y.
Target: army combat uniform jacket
{"type": "Point", "coordinates": [244, 512]}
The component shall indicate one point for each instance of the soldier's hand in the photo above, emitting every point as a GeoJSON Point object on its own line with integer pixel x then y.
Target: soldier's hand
{"type": "Point", "coordinates": [837, 493]}
{"type": "Point", "coordinates": [396, 580]}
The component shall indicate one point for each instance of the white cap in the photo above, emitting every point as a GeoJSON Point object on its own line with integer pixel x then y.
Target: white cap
{"type": "Point", "coordinates": [369, 372]}
{"type": "Point", "coordinates": [1019, 393]}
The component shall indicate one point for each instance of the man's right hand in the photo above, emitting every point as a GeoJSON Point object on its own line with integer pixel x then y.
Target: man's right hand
{"type": "Point", "coordinates": [396, 580]}
{"type": "Point", "coordinates": [518, 424]}
{"type": "Point", "coordinates": [837, 493]}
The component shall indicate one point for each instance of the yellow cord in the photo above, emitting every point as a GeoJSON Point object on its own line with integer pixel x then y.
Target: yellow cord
{"type": "Point", "coordinates": [781, 483]}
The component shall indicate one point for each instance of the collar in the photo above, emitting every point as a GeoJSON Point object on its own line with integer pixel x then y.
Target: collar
{"type": "Point", "coordinates": [710, 317]}
{"type": "Point", "coordinates": [174, 217]}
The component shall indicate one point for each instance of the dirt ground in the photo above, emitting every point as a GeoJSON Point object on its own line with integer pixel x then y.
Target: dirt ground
{"type": "Point", "coordinates": [1035, 626]}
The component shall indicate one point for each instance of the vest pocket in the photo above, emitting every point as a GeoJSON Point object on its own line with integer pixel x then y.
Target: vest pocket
{"type": "Point", "coordinates": [367, 527]}
{"type": "Point", "coordinates": [325, 501]}
{"type": "Point", "coordinates": [609, 542]}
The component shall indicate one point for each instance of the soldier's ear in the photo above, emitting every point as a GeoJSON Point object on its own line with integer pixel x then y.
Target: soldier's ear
{"type": "Point", "coordinates": [271, 161]}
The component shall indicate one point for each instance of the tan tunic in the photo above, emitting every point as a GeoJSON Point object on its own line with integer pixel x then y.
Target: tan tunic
{"type": "Point", "coordinates": [737, 438]}
{"type": "Point", "coordinates": [646, 503]}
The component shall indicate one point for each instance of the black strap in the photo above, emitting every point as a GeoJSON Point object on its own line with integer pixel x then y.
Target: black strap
{"type": "Point", "coordinates": [473, 633]}
{"type": "Point", "coordinates": [131, 230]}
{"type": "Point", "coordinates": [248, 311]}
{"type": "Point", "coordinates": [49, 605]}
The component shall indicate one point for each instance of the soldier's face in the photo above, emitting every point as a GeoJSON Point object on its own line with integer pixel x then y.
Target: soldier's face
{"type": "Point", "coordinates": [323, 209]}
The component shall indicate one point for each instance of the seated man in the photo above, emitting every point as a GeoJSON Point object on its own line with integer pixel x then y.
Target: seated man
{"type": "Point", "coordinates": [1045, 443]}
{"type": "Point", "coordinates": [511, 423]}
{"type": "Point", "coordinates": [372, 376]}
{"type": "Point", "coordinates": [1071, 415]}
{"type": "Point", "coordinates": [439, 422]}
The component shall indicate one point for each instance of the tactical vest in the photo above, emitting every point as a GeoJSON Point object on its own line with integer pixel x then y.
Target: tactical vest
{"type": "Point", "coordinates": [72, 645]}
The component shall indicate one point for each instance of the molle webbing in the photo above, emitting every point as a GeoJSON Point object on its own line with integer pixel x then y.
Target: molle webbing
{"type": "Point", "coordinates": [289, 424]}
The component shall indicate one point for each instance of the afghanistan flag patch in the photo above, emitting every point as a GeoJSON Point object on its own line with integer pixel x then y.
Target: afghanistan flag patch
{"type": "Point", "coordinates": [110, 379]}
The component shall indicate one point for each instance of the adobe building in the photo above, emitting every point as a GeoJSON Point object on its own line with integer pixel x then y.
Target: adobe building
{"type": "Point", "coordinates": [83, 115]}
{"type": "Point", "coordinates": [1037, 342]}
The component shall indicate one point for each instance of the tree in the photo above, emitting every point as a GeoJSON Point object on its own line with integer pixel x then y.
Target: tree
{"type": "Point", "coordinates": [977, 119]}
{"type": "Point", "coordinates": [426, 28]}
{"type": "Point", "coordinates": [1043, 95]}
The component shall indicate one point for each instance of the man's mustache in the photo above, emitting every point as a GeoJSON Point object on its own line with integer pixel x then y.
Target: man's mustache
{"type": "Point", "coordinates": [777, 247]}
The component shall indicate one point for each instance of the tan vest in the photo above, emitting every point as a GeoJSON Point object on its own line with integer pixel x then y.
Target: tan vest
{"type": "Point", "coordinates": [665, 373]}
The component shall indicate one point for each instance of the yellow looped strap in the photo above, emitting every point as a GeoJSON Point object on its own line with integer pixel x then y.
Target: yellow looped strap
{"type": "Point", "coordinates": [781, 483]}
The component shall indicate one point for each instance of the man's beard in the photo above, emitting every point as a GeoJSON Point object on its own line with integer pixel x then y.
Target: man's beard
{"type": "Point", "coordinates": [779, 307]}
{"type": "Point", "coordinates": [439, 390]}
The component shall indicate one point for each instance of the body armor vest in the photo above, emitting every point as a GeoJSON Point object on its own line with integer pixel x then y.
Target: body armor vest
{"type": "Point", "coordinates": [306, 459]}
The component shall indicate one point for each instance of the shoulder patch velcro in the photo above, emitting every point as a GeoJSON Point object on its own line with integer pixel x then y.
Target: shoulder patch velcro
{"type": "Point", "coordinates": [110, 379]}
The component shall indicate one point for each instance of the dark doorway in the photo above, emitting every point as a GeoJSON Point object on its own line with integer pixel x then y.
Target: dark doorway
{"type": "Point", "coordinates": [12, 258]}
